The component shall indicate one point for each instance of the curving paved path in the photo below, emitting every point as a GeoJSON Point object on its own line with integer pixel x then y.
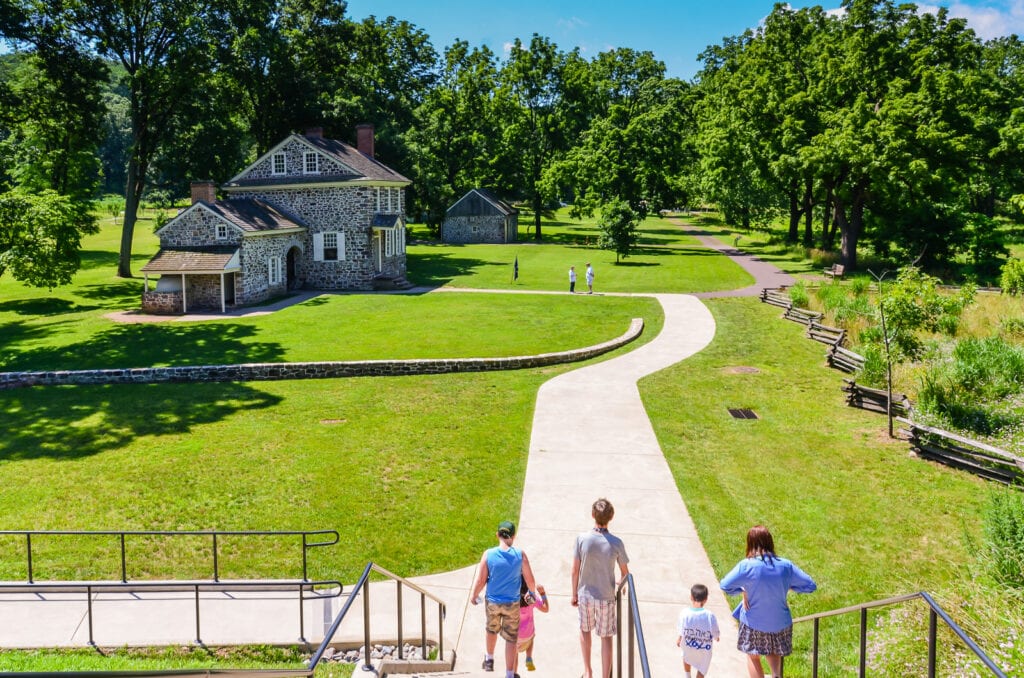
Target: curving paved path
{"type": "Point", "coordinates": [591, 437]}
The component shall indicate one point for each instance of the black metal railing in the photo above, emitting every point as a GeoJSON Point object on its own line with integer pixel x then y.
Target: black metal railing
{"type": "Point", "coordinates": [935, 613]}
{"type": "Point", "coordinates": [123, 536]}
{"type": "Point", "coordinates": [363, 587]}
{"type": "Point", "coordinates": [633, 630]}
{"type": "Point", "coordinates": [319, 589]}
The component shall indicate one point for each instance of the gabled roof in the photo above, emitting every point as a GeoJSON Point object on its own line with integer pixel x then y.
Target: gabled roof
{"type": "Point", "coordinates": [194, 260]}
{"type": "Point", "coordinates": [361, 168]}
{"type": "Point", "coordinates": [253, 215]}
{"type": "Point", "coordinates": [486, 196]}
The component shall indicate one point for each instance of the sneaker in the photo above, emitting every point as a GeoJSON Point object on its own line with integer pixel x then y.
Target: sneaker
{"type": "Point", "coordinates": [488, 664]}
{"type": "Point", "coordinates": [529, 664]}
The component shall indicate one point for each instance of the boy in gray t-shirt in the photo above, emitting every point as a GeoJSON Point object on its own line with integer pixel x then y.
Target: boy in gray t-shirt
{"type": "Point", "coordinates": [593, 584]}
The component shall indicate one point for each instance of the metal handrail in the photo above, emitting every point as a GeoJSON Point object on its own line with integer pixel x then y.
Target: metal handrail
{"type": "Point", "coordinates": [362, 586]}
{"type": "Point", "coordinates": [214, 534]}
{"type": "Point", "coordinates": [182, 585]}
{"type": "Point", "coordinates": [635, 631]}
{"type": "Point", "coordinates": [934, 614]}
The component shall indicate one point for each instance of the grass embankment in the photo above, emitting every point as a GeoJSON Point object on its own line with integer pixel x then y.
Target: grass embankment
{"type": "Point", "coordinates": [852, 508]}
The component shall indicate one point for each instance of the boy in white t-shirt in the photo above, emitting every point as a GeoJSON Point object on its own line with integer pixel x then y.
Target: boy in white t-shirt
{"type": "Point", "coordinates": [697, 628]}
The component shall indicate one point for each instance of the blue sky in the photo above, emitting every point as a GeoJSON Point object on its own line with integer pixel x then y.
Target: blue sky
{"type": "Point", "coordinates": [675, 30]}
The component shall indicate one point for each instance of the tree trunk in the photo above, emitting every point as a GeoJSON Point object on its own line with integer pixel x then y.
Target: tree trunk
{"type": "Point", "coordinates": [794, 216]}
{"type": "Point", "coordinates": [745, 216]}
{"type": "Point", "coordinates": [537, 205]}
{"type": "Point", "coordinates": [851, 229]}
{"type": "Point", "coordinates": [809, 213]}
{"type": "Point", "coordinates": [132, 198]}
{"type": "Point", "coordinates": [827, 224]}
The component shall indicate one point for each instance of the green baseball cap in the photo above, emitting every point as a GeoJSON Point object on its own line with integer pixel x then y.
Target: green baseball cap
{"type": "Point", "coordinates": [506, 529]}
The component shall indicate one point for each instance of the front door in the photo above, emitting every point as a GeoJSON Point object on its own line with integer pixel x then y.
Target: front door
{"type": "Point", "coordinates": [378, 251]}
{"type": "Point", "coordinates": [293, 280]}
{"type": "Point", "coordinates": [229, 289]}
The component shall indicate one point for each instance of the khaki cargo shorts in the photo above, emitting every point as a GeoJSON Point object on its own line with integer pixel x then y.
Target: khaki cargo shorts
{"type": "Point", "coordinates": [503, 619]}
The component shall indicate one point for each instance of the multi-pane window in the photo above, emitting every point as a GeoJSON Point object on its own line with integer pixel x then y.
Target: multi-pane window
{"type": "Point", "coordinates": [274, 270]}
{"type": "Point", "coordinates": [330, 246]}
{"type": "Point", "coordinates": [311, 163]}
{"type": "Point", "coordinates": [394, 241]}
{"type": "Point", "coordinates": [278, 164]}
{"type": "Point", "coordinates": [222, 231]}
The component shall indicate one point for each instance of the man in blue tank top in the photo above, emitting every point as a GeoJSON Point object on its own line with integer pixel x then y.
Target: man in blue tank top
{"type": "Point", "coordinates": [501, 569]}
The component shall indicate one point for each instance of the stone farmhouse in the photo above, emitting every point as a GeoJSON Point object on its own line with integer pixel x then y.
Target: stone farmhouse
{"type": "Point", "coordinates": [480, 217]}
{"type": "Point", "coordinates": [311, 213]}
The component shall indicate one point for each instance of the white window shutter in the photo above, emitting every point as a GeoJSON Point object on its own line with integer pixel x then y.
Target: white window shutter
{"type": "Point", "coordinates": [318, 247]}
{"type": "Point", "coordinates": [341, 246]}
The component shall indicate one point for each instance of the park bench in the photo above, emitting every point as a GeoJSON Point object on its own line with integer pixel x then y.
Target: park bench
{"type": "Point", "coordinates": [834, 271]}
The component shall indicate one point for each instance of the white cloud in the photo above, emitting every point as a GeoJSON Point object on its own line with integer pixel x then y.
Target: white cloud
{"type": "Point", "coordinates": [988, 21]}
{"type": "Point", "coordinates": [507, 47]}
{"type": "Point", "coordinates": [572, 23]}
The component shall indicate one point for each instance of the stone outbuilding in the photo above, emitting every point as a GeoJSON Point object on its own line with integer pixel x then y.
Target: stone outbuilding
{"type": "Point", "coordinates": [480, 217]}
{"type": "Point", "coordinates": [311, 213]}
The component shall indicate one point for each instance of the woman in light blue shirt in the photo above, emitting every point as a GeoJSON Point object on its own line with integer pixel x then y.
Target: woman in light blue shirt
{"type": "Point", "coordinates": [764, 580]}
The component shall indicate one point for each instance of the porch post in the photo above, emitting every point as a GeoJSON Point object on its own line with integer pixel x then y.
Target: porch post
{"type": "Point", "coordinates": [145, 287]}
{"type": "Point", "coordinates": [184, 295]}
{"type": "Point", "coordinates": [223, 308]}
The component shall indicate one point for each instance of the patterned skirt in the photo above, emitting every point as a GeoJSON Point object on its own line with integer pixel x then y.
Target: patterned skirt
{"type": "Point", "coordinates": [763, 643]}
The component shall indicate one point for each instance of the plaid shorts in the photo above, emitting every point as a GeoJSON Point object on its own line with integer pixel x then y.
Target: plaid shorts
{"type": "Point", "coordinates": [503, 619]}
{"type": "Point", "coordinates": [597, 616]}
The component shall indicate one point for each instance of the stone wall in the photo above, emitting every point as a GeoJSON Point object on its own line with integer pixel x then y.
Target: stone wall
{"type": "Point", "coordinates": [161, 303]}
{"type": "Point", "coordinates": [487, 229]}
{"type": "Point", "coordinates": [314, 370]}
{"type": "Point", "coordinates": [198, 228]}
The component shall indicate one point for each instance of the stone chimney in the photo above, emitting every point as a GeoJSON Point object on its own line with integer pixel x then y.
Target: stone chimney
{"type": "Point", "coordinates": [315, 132]}
{"type": "Point", "coordinates": [364, 139]}
{"type": "Point", "coordinates": [205, 191]}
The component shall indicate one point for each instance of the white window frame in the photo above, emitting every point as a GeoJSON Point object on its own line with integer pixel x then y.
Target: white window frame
{"type": "Point", "coordinates": [274, 272]}
{"type": "Point", "coordinates": [378, 199]}
{"type": "Point", "coordinates": [320, 244]}
{"type": "Point", "coordinates": [284, 163]}
{"type": "Point", "coordinates": [221, 231]}
{"type": "Point", "coordinates": [306, 158]}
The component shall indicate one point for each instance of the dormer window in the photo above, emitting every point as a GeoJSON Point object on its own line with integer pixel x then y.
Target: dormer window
{"type": "Point", "coordinates": [279, 166]}
{"type": "Point", "coordinates": [222, 231]}
{"type": "Point", "coordinates": [311, 163]}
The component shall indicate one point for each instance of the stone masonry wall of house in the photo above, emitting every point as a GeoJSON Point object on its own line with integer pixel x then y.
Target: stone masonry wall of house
{"type": "Point", "coordinates": [348, 210]}
{"type": "Point", "coordinates": [315, 370]}
{"type": "Point", "coordinates": [202, 292]}
{"type": "Point", "coordinates": [161, 303]}
{"type": "Point", "coordinates": [254, 260]}
{"type": "Point", "coordinates": [198, 228]}
{"type": "Point", "coordinates": [294, 153]}
{"type": "Point", "coordinates": [479, 229]}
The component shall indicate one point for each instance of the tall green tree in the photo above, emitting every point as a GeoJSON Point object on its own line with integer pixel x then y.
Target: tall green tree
{"type": "Point", "coordinates": [454, 141]}
{"type": "Point", "coordinates": [530, 105]}
{"type": "Point", "coordinates": [164, 49]}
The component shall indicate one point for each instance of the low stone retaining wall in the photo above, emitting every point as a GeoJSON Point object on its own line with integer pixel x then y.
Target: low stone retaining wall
{"type": "Point", "coordinates": [317, 370]}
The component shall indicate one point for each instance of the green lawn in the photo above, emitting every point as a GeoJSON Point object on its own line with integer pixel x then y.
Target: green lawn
{"type": "Point", "coordinates": [854, 509]}
{"type": "Point", "coordinates": [391, 463]}
{"type": "Point", "coordinates": [664, 261]}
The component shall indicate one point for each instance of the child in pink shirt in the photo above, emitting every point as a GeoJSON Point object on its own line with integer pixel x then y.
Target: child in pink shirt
{"type": "Point", "coordinates": [527, 601]}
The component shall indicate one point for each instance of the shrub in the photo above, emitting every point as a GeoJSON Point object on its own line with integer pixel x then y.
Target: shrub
{"type": "Point", "coordinates": [873, 373]}
{"type": "Point", "coordinates": [831, 297]}
{"type": "Point", "coordinates": [798, 294]}
{"type": "Point", "coordinates": [860, 286]}
{"type": "Point", "coordinates": [1004, 537]}
{"type": "Point", "coordinates": [1012, 278]}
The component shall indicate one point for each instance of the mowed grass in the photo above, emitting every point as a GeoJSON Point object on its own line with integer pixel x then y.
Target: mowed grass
{"type": "Point", "coordinates": [665, 260]}
{"type": "Point", "coordinates": [67, 328]}
{"type": "Point", "coordinates": [852, 508]}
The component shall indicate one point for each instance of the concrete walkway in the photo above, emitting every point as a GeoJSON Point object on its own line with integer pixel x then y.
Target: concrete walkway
{"type": "Point", "coordinates": [591, 437]}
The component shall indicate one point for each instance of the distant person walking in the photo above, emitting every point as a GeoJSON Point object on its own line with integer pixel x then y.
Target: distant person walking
{"type": "Point", "coordinates": [502, 568]}
{"type": "Point", "coordinates": [572, 280]}
{"type": "Point", "coordinates": [698, 629]}
{"type": "Point", "coordinates": [590, 278]}
{"type": "Point", "coordinates": [593, 584]}
{"type": "Point", "coordinates": [765, 580]}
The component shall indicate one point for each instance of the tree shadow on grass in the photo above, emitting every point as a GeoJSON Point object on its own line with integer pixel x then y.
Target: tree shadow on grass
{"type": "Point", "coordinates": [93, 259]}
{"type": "Point", "coordinates": [148, 345]}
{"type": "Point", "coordinates": [438, 269]}
{"type": "Point", "coordinates": [47, 306]}
{"type": "Point", "coordinates": [71, 422]}
{"type": "Point", "coordinates": [121, 293]}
